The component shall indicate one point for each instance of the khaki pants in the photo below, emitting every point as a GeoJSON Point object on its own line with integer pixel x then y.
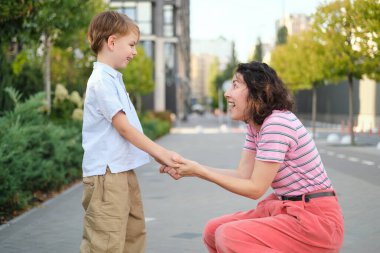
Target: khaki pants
{"type": "Point", "coordinates": [114, 218]}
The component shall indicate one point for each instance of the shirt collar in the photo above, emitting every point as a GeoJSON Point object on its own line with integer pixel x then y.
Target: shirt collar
{"type": "Point", "coordinates": [108, 69]}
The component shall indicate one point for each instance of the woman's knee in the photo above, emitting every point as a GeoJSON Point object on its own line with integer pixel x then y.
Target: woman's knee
{"type": "Point", "coordinates": [223, 235]}
{"type": "Point", "coordinates": [209, 230]}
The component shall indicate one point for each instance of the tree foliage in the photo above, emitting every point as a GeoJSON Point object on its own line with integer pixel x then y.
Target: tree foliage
{"type": "Point", "coordinates": [349, 31]}
{"type": "Point", "coordinates": [138, 76]}
{"type": "Point", "coordinates": [301, 61]}
{"type": "Point", "coordinates": [211, 81]}
{"type": "Point", "coordinates": [282, 35]}
{"type": "Point", "coordinates": [258, 54]}
{"type": "Point", "coordinates": [12, 17]}
{"type": "Point", "coordinates": [225, 75]}
{"type": "Point", "coordinates": [61, 25]}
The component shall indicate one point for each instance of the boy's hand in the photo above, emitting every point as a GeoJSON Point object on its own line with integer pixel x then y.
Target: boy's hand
{"type": "Point", "coordinates": [169, 158]}
{"type": "Point", "coordinates": [171, 171]}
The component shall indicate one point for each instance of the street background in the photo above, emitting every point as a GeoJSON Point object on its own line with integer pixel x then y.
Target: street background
{"type": "Point", "coordinates": [176, 211]}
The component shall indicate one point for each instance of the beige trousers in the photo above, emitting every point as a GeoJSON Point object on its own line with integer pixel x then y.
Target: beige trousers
{"type": "Point", "coordinates": [114, 217]}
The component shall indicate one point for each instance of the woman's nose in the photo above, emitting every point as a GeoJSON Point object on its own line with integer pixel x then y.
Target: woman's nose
{"type": "Point", "coordinates": [227, 93]}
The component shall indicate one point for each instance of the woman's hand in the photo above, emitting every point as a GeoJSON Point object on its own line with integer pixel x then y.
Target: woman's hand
{"type": "Point", "coordinates": [189, 168]}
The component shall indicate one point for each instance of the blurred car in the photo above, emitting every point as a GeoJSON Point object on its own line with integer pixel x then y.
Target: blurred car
{"type": "Point", "coordinates": [198, 108]}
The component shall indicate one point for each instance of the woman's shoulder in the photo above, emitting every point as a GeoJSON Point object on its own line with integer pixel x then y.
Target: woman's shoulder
{"type": "Point", "coordinates": [281, 117]}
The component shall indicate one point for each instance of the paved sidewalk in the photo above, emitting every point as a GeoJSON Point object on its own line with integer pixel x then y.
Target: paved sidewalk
{"type": "Point", "coordinates": [176, 211]}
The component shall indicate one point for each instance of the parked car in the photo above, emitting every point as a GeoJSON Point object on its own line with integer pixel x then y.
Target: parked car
{"type": "Point", "coordinates": [198, 108]}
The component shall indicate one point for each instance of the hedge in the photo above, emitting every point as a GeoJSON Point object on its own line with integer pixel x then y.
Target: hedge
{"type": "Point", "coordinates": [39, 155]}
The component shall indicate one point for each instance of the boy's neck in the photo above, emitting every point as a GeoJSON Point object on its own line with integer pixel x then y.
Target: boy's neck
{"type": "Point", "coordinates": [105, 60]}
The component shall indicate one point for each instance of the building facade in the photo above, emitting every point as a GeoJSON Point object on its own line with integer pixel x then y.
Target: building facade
{"type": "Point", "coordinates": [294, 23]}
{"type": "Point", "coordinates": [204, 53]}
{"type": "Point", "coordinates": [165, 36]}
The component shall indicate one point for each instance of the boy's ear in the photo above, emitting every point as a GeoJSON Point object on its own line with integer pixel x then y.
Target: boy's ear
{"type": "Point", "coordinates": [111, 41]}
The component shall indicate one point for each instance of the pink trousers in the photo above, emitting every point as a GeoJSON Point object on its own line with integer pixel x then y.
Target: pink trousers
{"type": "Point", "coordinates": [279, 226]}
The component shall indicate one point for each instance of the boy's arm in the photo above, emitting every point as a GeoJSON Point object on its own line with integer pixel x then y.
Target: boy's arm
{"type": "Point", "coordinates": [138, 139]}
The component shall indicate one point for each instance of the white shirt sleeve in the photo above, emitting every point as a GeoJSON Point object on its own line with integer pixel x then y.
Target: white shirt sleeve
{"type": "Point", "coordinates": [107, 99]}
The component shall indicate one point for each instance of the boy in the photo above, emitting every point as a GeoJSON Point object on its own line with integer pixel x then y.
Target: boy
{"type": "Point", "coordinates": [113, 143]}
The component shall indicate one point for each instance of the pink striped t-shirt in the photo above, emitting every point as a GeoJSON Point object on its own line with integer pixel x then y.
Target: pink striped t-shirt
{"type": "Point", "coordinates": [282, 138]}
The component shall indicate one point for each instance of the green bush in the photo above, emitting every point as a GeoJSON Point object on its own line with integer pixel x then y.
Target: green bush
{"type": "Point", "coordinates": [41, 153]}
{"type": "Point", "coordinates": [36, 155]}
{"type": "Point", "coordinates": [155, 124]}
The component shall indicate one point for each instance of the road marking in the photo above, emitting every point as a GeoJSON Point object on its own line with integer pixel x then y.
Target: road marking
{"type": "Point", "coordinates": [322, 151]}
{"type": "Point", "coordinates": [147, 219]}
{"type": "Point", "coordinates": [341, 156]}
{"type": "Point", "coordinates": [353, 159]}
{"type": "Point", "coordinates": [370, 163]}
{"type": "Point", "coordinates": [331, 153]}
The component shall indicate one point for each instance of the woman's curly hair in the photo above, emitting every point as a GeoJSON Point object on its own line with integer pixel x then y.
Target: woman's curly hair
{"type": "Point", "coordinates": [267, 92]}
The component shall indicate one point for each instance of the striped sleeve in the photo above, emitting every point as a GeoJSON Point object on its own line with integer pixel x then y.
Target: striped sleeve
{"type": "Point", "coordinates": [277, 136]}
{"type": "Point", "coordinates": [250, 140]}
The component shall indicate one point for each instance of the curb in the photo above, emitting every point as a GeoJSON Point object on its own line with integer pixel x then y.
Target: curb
{"type": "Point", "coordinates": [47, 203]}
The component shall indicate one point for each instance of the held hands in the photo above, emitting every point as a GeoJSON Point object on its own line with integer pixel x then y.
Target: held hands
{"type": "Point", "coordinates": [184, 168]}
{"type": "Point", "coordinates": [168, 158]}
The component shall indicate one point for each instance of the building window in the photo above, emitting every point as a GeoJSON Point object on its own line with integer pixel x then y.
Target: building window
{"type": "Point", "coordinates": [144, 17]}
{"type": "Point", "coordinates": [168, 20]}
{"type": "Point", "coordinates": [170, 63]}
{"type": "Point", "coordinates": [148, 48]}
{"type": "Point", "coordinates": [140, 12]}
{"type": "Point", "coordinates": [129, 11]}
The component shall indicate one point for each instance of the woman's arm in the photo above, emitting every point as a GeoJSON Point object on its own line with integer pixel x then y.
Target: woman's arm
{"type": "Point", "coordinates": [244, 170]}
{"type": "Point", "coordinates": [252, 187]}
{"type": "Point", "coordinates": [246, 164]}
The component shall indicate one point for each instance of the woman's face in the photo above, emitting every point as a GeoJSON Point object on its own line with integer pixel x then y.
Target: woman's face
{"type": "Point", "coordinates": [236, 97]}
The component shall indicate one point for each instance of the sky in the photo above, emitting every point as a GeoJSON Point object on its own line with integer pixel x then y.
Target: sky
{"type": "Point", "coordinates": [243, 21]}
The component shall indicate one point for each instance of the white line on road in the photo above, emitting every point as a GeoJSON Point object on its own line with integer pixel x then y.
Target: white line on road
{"type": "Point", "coordinates": [353, 159]}
{"type": "Point", "coordinates": [147, 219]}
{"type": "Point", "coordinates": [341, 156]}
{"type": "Point", "coordinates": [331, 153]}
{"type": "Point", "coordinates": [370, 163]}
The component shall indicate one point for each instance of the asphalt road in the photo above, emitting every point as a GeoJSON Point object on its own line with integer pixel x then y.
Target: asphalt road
{"type": "Point", "coordinates": [176, 211]}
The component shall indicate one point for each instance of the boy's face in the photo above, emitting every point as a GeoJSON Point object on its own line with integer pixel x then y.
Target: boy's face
{"type": "Point", "coordinates": [124, 49]}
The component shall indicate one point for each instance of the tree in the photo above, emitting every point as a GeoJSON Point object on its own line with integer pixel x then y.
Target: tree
{"type": "Point", "coordinates": [54, 21]}
{"type": "Point", "coordinates": [282, 35]}
{"type": "Point", "coordinates": [71, 65]}
{"type": "Point", "coordinates": [225, 75]}
{"type": "Point", "coordinates": [211, 81]}
{"type": "Point", "coordinates": [349, 31]}
{"type": "Point", "coordinates": [12, 17]}
{"type": "Point", "coordinates": [138, 76]}
{"type": "Point", "coordinates": [301, 64]}
{"type": "Point", "coordinates": [258, 54]}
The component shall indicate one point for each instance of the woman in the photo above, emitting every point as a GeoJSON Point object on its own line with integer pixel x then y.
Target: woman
{"type": "Point", "coordinates": [302, 214]}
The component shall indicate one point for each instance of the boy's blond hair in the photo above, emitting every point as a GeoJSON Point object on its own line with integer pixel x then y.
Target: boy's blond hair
{"type": "Point", "coordinates": [106, 24]}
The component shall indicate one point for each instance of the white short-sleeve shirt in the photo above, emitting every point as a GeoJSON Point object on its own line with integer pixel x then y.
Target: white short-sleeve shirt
{"type": "Point", "coordinates": [103, 145]}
